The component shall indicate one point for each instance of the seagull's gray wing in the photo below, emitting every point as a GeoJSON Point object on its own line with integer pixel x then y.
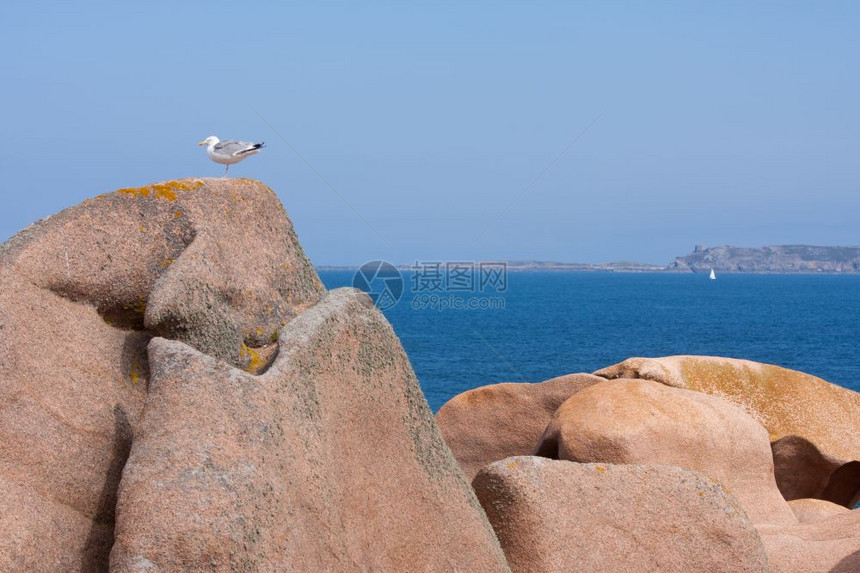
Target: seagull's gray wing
{"type": "Point", "coordinates": [233, 148]}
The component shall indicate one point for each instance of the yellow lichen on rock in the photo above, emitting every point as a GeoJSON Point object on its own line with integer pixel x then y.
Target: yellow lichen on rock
{"type": "Point", "coordinates": [166, 190]}
{"type": "Point", "coordinates": [254, 362]}
{"type": "Point", "coordinates": [133, 374]}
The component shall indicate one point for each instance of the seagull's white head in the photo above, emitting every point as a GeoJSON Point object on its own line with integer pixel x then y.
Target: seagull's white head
{"type": "Point", "coordinates": [211, 140]}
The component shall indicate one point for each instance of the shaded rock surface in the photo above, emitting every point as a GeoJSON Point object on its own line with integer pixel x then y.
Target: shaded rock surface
{"type": "Point", "coordinates": [328, 461]}
{"type": "Point", "coordinates": [803, 471]}
{"type": "Point", "coordinates": [562, 516]}
{"type": "Point", "coordinates": [212, 262]}
{"type": "Point", "coordinates": [788, 403]}
{"type": "Point", "coordinates": [494, 422]}
{"type": "Point", "coordinates": [644, 422]}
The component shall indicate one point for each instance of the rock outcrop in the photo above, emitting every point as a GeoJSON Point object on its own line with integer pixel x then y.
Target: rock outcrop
{"type": "Point", "coordinates": [330, 460]}
{"type": "Point", "coordinates": [179, 392]}
{"type": "Point", "coordinates": [771, 259]}
{"type": "Point", "coordinates": [152, 321]}
{"type": "Point", "coordinates": [211, 262]}
{"type": "Point", "coordinates": [815, 424]}
{"type": "Point", "coordinates": [563, 516]}
{"type": "Point", "coordinates": [761, 434]}
{"type": "Point", "coordinates": [644, 422]}
{"type": "Point", "coordinates": [494, 422]}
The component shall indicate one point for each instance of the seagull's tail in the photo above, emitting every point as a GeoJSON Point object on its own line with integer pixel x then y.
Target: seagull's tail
{"type": "Point", "coordinates": [254, 147]}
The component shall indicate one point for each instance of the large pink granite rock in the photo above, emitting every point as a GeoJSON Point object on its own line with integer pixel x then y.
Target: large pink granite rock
{"type": "Point", "coordinates": [563, 516]}
{"type": "Point", "coordinates": [644, 422]}
{"type": "Point", "coordinates": [212, 262]}
{"type": "Point", "coordinates": [501, 420]}
{"type": "Point", "coordinates": [814, 419]}
{"type": "Point", "coordinates": [328, 461]}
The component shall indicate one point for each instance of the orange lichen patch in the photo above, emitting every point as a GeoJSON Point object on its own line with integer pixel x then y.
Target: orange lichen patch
{"type": "Point", "coordinates": [254, 362]}
{"type": "Point", "coordinates": [600, 469]}
{"type": "Point", "coordinates": [166, 190]}
{"type": "Point", "coordinates": [141, 228]}
{"type": "Point", "coordinates": [513, 464]}
{"type": "Point", "coordinates": [750, 387]}
{"type": "Point", "coordinates": [137, 191]}
{"type": "Point", "coordinates": [259, 330]}
{"type": "Point", "coordinates": [133, 374]}
{"type": "Point", "coordinates": [768, 393]}
{"type": "Point", "coordinates": [166, 263]}
{"type": "Point", "coordinates": [177, 214]}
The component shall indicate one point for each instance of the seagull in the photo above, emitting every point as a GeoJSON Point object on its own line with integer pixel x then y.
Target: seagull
{"type": "Point", "coordinates": [229, 151]}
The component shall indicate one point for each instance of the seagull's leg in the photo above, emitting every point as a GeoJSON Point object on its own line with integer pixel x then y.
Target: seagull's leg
{"type": "Point", "coordinates": [227, 171]}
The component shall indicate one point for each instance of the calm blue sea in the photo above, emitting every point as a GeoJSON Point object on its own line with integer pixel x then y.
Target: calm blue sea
{"type": "Point", "coordinates": [555, 323]}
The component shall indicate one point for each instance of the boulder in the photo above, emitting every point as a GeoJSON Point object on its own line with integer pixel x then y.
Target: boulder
{"type": "Point", "coordinates": [788, 403]}
{"type": "Point", "coordinates": [644, 422]}
{"type": "Point", "coordinates": [562, 516]}
{"type": "Point", "coordinates": [806, 510]}
{"type": "Point", "coordinates": [830, 544]}
{"type": "Point", "coordinates": [213, 262]}
{"type": "Point", "coordinates": [328, 461]}
{"type": "Point", "coordinates": [494, 422]}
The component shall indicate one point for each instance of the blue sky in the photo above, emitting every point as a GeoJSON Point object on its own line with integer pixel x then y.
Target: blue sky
{"type": "Point", "coordinates": [729, 123]}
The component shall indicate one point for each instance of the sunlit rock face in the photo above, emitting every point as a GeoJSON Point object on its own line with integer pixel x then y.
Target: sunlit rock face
{"type": "Point", "coordinates": [556, 515]}
{"type": "Point", "coordinates": [328, 461]}
{"type": "Point", "coordinates": [813, 425]}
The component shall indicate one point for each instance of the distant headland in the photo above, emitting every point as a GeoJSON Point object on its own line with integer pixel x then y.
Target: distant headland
{"type": "Point", "coordinates": [776, 259]}
{"type": "Point", "coordinates": [773, 259]}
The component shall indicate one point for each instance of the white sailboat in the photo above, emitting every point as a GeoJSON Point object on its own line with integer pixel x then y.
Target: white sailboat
{"type": "Point", "coordinates": [713, 275]}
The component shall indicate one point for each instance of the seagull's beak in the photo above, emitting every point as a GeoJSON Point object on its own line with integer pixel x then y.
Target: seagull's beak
{"type": "Point", "coordinates": [202, 143]}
